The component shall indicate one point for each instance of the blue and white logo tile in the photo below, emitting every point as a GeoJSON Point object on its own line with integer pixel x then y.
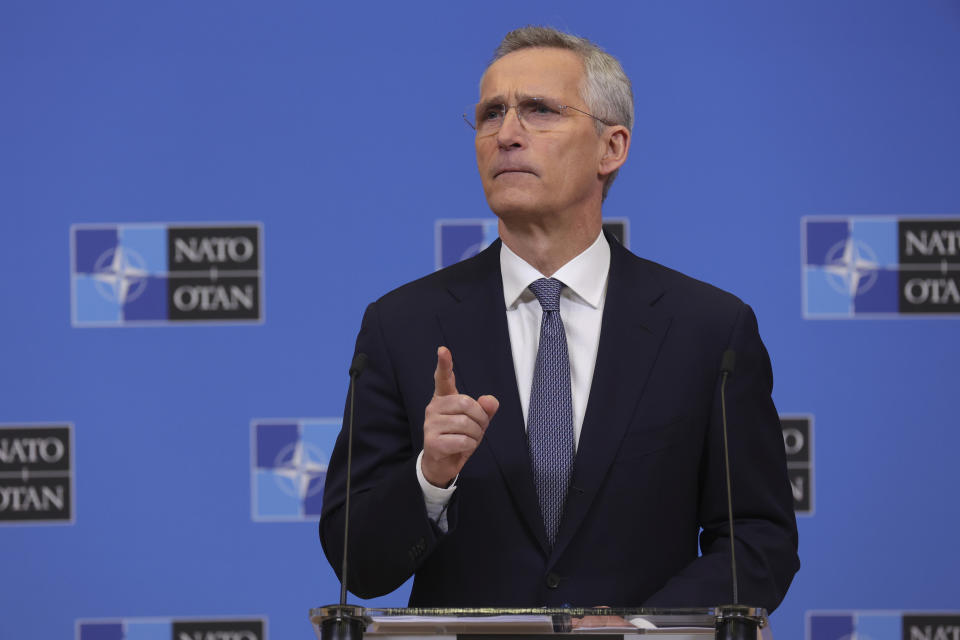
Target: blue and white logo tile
{"type": "Point", "coordinates": [459, 239]}
{"type": "Point", "coordinates": [854, 625]}
{"type": "Point", "coordinates": [850, 267]}
{"type": "Point", "coordinates": [882, 625]}
{"type": "Point", "coordinates": [116, 272]}
{"type": "Point", "coordinates": [172, 629]}
{"type": "Point", "coordinates": [289, 467]}
{"type": "Point", "coordinates": [880, 266]}
{"type": "Point", "coordinates": [161, 274]}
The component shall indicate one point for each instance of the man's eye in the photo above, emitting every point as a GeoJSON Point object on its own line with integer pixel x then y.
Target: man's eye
{"type": "Point", "coordinates": [491, 113]}
{"type": "Point", "coordinates": [537, 109]}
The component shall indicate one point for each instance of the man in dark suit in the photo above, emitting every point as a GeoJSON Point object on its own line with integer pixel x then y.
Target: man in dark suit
{"type": "Point", "coordinates": [568, 446]}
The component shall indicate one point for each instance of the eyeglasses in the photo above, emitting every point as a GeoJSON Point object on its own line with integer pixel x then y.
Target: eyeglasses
{"type": "Point", "coordinates": [535, 114]}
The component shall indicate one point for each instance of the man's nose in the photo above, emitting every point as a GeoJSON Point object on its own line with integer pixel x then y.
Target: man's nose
{"type": "Point", "coordinates": [512, 130]}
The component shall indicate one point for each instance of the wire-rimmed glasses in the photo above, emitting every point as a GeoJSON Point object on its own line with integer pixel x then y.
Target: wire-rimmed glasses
{"type": "Point", "coordinates": [535, 114]}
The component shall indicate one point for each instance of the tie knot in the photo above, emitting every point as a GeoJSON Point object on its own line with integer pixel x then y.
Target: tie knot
{"type": "Point", "coordinates": [547, 291]}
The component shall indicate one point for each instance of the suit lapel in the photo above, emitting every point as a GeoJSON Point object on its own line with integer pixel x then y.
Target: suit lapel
{"type": "Point", "coordinates": [632, 330]}
{"type": "Point", "coordinates": [475, 328]}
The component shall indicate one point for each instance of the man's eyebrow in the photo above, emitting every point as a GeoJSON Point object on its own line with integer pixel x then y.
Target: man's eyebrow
{"type": "Point", "coordinates": [501, 99]}
{"type": "Point", "coordinates": [529, 96]}
{"type": "Point", "coordinates": [498, 99]}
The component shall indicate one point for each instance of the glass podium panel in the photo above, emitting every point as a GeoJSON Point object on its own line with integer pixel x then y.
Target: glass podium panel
{"type": "Point", "coordinates": [540, 624]}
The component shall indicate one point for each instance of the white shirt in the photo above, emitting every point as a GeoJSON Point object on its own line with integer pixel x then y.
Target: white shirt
{"type": "Point", "coordinates": [581, 309]}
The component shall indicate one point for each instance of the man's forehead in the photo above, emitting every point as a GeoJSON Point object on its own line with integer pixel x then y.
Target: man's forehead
{"type": "Point", "coordinates": [531, 72]}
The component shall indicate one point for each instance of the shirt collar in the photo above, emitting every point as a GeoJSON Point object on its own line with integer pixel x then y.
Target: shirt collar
{"type": "Point", "coordinates": [585, 275]}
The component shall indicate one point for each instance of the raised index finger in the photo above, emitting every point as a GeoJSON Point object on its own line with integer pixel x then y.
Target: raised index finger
{"type": "Point", "coordinates": [444, 382]}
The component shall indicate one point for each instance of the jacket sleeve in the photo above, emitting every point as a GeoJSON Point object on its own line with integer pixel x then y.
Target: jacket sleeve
{"type": "Point", "coordinates": [390, 534]}
{"type": "Point", "coordinates": [764, 524]}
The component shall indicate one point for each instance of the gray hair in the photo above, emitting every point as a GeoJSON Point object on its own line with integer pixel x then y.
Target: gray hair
{"type": "Point", "coordinates": [606, 88]}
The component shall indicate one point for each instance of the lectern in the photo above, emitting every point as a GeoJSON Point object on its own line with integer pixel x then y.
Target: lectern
{"type": "Point", "coordinates": [734, 622]}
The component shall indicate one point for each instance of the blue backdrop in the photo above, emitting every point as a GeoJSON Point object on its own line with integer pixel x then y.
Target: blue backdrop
{"type": "Point", "coordinates": [335, 130]}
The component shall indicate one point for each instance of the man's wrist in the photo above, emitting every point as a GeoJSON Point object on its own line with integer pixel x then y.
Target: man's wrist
{"type": "Point", "coordinates": [432, 493]}
{"type": "Point", "coordinates": [433, 480]}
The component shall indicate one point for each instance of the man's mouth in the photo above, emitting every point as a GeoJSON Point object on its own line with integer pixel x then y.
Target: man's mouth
{"type": "Point", "coordinates": [500, 172]}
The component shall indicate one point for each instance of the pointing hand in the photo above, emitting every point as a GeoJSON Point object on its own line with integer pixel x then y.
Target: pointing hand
{"type": "Point", "coordinates": [453, 425]}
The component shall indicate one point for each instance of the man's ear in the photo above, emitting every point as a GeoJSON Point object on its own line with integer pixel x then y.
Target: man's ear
{"type": "Point", "coordinates": [616, 147]}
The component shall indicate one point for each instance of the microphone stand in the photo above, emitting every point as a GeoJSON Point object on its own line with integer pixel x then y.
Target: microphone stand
{"type": "Point", "coordinates": [736, 621]}
{"type": "Point", "coordinates": [345, 622]}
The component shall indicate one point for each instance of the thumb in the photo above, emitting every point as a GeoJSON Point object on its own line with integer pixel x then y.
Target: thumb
{"type": "Point", "coordinates": [444, 382]}
{"type": "Point", "coordinates": [489, 404]}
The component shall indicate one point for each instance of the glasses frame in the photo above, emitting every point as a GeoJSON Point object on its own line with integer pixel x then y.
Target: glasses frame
{"type": "Point", "coordinates": [504, 108]}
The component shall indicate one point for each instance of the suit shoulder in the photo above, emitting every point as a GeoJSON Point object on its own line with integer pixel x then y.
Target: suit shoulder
{"type": "Point", "coordinates": [696, 294]}
{"type": "Point", "coordinates": [706, 315]}
{"type": "Point", "coordinates": [433, 289]}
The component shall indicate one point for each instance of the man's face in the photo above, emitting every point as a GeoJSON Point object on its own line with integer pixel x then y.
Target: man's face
{"type": "Point", "coordinates": [529, 174]}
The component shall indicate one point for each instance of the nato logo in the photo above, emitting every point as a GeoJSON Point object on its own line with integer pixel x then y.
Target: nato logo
{"type": "Point", "coordinates": [456, 240]}
{"type": "Point", "coordinates": [36, 474]}
{"type": "Point", "coordinates": [798, 444]}
{"type": "Point", "coordinates": [880, 266]}
{"type": "Point", "coordinates": [289, 466]}
{"type": "Point", "coordinates": [159, 274]}
{"type": "Point", "coordinates": [172, 629]}
{"type": "Point", "coordinates": [882, 625]}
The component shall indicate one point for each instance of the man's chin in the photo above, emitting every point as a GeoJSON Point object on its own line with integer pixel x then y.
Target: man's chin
{"type": "Point", "coordinates": [511, 204]}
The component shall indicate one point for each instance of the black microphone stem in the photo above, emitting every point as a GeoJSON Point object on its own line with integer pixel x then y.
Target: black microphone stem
{"type": "Point", "coordinates": [726, 457]}
{"type": "Point", "coordinates": [356, 368]}
{"type": "Point", "coordinates": [346, 507]}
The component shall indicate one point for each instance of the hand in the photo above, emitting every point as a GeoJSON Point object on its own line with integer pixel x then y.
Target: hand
{"type": "Point", "coordinates": [601, 622]}
{"type": "Point", "coordinates": [453, 426]}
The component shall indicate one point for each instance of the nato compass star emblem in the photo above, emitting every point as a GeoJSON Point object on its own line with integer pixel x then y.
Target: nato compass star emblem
{"type": "Point", "coordinates": [120, 275]}
{"type": "Point", "coordinates": [851, 267]}
{"type": "Point", "coordinates": [289, 467]}
{"type": "Point", "coordinates": [297, 466]}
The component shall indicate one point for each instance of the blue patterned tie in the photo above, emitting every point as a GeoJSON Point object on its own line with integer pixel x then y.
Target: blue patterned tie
{"type": "Point", "coordinates": [550, 415]}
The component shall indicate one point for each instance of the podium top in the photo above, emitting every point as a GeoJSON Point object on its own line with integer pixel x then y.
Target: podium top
{"type": "Point", "coordinates": [539, 622]}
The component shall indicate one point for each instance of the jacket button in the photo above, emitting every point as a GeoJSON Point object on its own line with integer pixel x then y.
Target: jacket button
{"type": "Point", "coordinates": [553, 580]}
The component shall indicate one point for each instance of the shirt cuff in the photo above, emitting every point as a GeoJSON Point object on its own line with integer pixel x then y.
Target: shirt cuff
{"type": "Point", "coordinates": [436, 499]}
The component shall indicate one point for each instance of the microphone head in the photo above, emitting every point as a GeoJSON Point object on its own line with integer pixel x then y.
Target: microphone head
{"type": "Point", "coordinates": [358, 365]}
{"type": "Point", "coordinates": [728, 361]}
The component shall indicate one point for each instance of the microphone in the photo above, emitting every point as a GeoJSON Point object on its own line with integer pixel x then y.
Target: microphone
{"type": "Point", "coordinates": [727, 363]}
{"type": "Point", "coordinates": [357, 366]}
{"type": "Point", "coordinates": [346, 623]}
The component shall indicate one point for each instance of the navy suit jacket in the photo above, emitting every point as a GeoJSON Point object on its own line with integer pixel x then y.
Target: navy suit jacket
{"type": "Point", "coordinates": [648, 482]}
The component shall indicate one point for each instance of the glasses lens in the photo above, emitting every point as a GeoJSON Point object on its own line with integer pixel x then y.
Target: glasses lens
{"type": "Point", "coordinates": [539, 114]}
{"type": "Point", "coordinates": [489, 118]}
